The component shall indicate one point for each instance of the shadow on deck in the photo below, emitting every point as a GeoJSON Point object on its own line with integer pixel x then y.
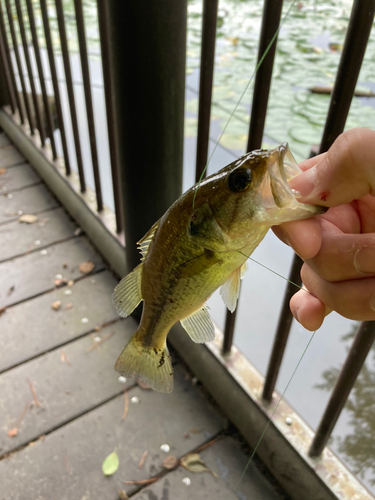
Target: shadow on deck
{"type": "Point", "coordinates": [63, 408]}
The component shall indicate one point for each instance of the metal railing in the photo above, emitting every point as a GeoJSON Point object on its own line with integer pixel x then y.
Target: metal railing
{"type": "Point", "coordinates": [162, 163]}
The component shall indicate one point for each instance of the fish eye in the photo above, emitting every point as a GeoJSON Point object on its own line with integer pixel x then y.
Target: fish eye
{"type": "Point", "coordinates": [239, 180]}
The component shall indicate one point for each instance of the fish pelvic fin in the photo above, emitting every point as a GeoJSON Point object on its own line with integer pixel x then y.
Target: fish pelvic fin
{"type": "Point", "coordinates": [199, 326]}
{"type": "Point", "coordinates": [128, 294]}
{"type": "Point", "coordinates": [151, 364]}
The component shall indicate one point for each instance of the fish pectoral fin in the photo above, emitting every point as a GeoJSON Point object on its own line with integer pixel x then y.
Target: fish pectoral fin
{"type": "Point", "coordinates": [230, 291]}
{"type": "Point", "coordinates": [244, 269]}
{"type": "Point", "coordinates": [151, 364]}
{"type": "Point", "coordinates": [128, 294]}
{"type": "Point", "coordinates": [199, 326]}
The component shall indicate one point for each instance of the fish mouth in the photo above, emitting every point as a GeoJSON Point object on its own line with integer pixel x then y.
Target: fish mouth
{"type": "Point", "coordinates": [277, 196]}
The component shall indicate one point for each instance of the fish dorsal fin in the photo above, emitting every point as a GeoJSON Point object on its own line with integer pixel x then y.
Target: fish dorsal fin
{"type": "Point", "coordinates": [199, 326]}
{"type": "Point", "coordinates": [128, 294]}
{"type": "Point", "coordinates": [230, 291]}
{"type": "Point", "coordinates": [144, 243]}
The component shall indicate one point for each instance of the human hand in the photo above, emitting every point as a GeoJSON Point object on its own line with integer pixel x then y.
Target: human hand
{"type": "Point", "coordinates": [338, 247]}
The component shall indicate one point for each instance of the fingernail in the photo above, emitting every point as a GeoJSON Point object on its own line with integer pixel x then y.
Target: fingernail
{"type": "Point", "coordinates": [305, 182]}
{"type": "Point", "coordinates": [364, 260]}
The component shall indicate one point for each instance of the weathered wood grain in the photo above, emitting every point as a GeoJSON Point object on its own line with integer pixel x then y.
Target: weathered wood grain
{"type": "Point", "coordinates": [18, 238]}
{"type": "Point", "coordinates": [34, 327]}
{"type": "Point", "coordinates": [18, 178]}
{"type": "Point", "coordinates": [67, 464]}
{"type": "Point", "coordinates": [29, 201]}
{"type": "Point", "coordinates": [35, 273]}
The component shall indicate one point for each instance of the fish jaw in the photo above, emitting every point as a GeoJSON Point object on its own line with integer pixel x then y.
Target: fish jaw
{"type": "Point", "coordinates": [279, 200]}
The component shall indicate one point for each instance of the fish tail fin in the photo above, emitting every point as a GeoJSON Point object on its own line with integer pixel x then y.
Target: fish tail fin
{"type": "Point", "coordinates": [149, 363]}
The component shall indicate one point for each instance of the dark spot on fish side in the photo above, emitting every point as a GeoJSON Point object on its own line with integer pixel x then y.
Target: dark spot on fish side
{"type": "Point", "coordinates": [162, 360]}
{"type": "Point", "coordinates": [171, 301]}
{"type": "Point", "coordinates": [155, 350]}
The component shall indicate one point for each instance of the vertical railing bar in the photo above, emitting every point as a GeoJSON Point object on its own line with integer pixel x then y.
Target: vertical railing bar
{"type": "Point", "coordinates": [47, 111]}
{"type": "Point", "coordinates": [209, 22]}
{"type": "Point", "coordinates": [70, 90]}
{"type": "Point", "coordinates": [355, 359]}
{"type": "Point", "coordinates": [270, 23]}
{"type": "Point", "coordinates": [7, 68]}
{"type": "Point", "coordinates": [358, 33]}
{"type": "Point", "coordinates": [88, 99]}
{"type": "Point", "coordinates": [107, 80]}
{"type": "Point", "coordinates": [55, 83]}
{"type": "Point", "coordinates": [283, 329]}
{"type": "Point", "coordinates": [30, 73]}
{"type": "Point", "coordinates": [19, 66]}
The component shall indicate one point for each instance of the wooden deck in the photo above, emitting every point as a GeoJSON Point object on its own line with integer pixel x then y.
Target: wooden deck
{"type": "Point", "coordinates": [63, 408]}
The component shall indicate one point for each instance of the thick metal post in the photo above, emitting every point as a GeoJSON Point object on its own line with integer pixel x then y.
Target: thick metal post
{"type": "Point", "coordinates": [148, 44]}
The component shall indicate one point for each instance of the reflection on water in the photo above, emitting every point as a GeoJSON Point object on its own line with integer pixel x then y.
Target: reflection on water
{"type": "Point", "coordinates": [357, 447]}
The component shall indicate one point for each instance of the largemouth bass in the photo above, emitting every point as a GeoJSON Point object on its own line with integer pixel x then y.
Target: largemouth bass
{"type": "Point", "coordinates": [202, 242]}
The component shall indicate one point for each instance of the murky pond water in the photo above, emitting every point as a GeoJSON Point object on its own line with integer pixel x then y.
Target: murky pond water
{"type": "Point", "coordinates": [308, 53]}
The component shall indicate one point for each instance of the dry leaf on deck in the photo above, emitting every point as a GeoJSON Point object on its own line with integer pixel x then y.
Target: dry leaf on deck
{"type": "Point", "coordinates": [194, 463]}
{"type": "Point", "coordinates": [110, 464]}
{"type": "Point", "coordinates": [28, 218]}
{"type": "Point", "coordinates": [56, 305]}
{"type": "Point", "coordinates": [13, 432]}
{"type": "Point", "coordinates": [170, 462]}
{"type": "Point", "coordinates": [3, 171]}
{"type": "Point", "coordinates": [122, 495]}
{"type": "Point", "coordinates": [86, 267]}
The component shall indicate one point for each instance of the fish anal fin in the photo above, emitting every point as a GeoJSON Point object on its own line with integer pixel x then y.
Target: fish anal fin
{"type": "Point", "coordinates": [199, 326]}
{"type": "Point", "coordinates": [230, 291]}
{"type": "Point", "coordinates": [144, 243]}
{"type": "Point", "coordinates": [149, 363]}
{"type": "Point", "coordinates": [128, 294]}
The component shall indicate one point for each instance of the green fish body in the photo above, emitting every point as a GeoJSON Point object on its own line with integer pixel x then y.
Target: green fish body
{"type": "Point", "coordinates": [200, 244]}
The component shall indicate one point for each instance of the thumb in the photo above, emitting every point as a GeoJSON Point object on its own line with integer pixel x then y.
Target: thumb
{"type": "Point", "coordinates": [345, 173]}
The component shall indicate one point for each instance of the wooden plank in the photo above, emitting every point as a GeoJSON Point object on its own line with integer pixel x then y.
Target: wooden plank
{"type": "Point", "coordinates": [35, 273]}
{"type": "Point", "coordinates": [226, 459]}
{"type": "Point", "coordinates": [64, 390]}
{"type": "Point", "coordinates": [10, 156]}
{"type": "Point", "coordinates": [18, 178]}
{"type": "Point", "coordinates": [67, 464]}
{"type": "Point", "coordinates": [29, 201]}
{"type": "Point", "coordinates": [33, 327]}
{"type": "Point", "coordinates": [18, 238]}
{"type": "Point", "coordinates": [4, 141]}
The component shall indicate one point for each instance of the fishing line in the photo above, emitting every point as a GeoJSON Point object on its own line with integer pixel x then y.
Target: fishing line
{"type": "Point", "coordinates": [274, 411]}
{"type": "Point", "coordinates": [241, 96]}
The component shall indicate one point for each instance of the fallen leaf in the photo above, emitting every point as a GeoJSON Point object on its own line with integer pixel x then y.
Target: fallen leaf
{"type": "Point", "coordinates": [143, 481]}
{"type": "Point", "coordinates": [56, 305]}
{"type": "Point", "coordinates": [122, 495]}
{"type": "Point", "coordinates": [110, 464]}
{"type": "Point", "coordinates": [2, 310]}
{"type": "Point", "coordinates": [64, 358]}
{"type": "Point", "coordinates": [60, 282]}
{"type": "Point", "coordinates": [13, 432]}
{"type": "Point", "coordinates": [126, 406]}
{"type": "Point", "coordinates": [65, 265]}
{"type": "Point", "coordinates": [193, 463]}
{"type": "Point", "coordinates": [86, 267]}
{"type": "Point", "coordinates": [70, 283]}
{"type": "Point", "coordinates": [142, 460]}
{"type": "Point", "coordinates": [68, 306]}
{"type": "Point", "coordinates": [3, 171]}
{"type": "Point", "coordinates": [28, 218]}
{"type": "Point", "coordinates": [170, 462]}
{"type": "Point", "coordinates": [11, 290]}
{"type": "Point", "coordinates": [33, 392]}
